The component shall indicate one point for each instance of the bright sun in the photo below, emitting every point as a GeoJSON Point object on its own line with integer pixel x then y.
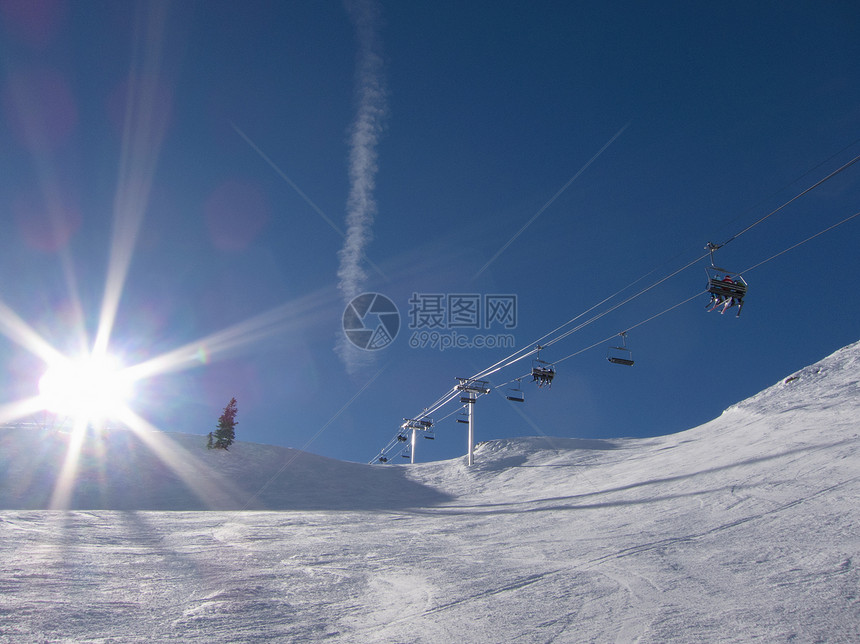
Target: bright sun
{"type": "Point", "coordinates": [87, 389]}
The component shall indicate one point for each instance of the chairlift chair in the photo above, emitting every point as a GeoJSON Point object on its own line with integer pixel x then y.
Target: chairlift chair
{"type": "Point", "coordinates": [621, 355]}
{"type": "Point", "coordinates": [542, 371]}
{"type": "Point", "coordinates": [724, 285]}
{"type": "Point", "coordinates": [516, 394]}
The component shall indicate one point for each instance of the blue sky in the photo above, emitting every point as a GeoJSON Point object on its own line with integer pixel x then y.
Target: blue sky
{"type": "Point", "coordinates": [213, 147]}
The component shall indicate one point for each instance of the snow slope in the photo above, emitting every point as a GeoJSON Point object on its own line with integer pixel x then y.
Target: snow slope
{"type": "Point", "coordinates": [745, 528]}
{"type": "Point", "coordinates": [118, 470]}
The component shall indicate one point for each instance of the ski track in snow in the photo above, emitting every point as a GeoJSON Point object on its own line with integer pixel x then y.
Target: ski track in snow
{"type": "Point", "coordinates": [743, 529]}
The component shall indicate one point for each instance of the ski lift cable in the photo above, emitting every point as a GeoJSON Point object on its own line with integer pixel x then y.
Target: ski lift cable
{"type": "Point", "coordinates": [447, 416]}
{"type": "Point", "coordinates": [620, 304]}
{"type": "Point", "coordinates": [792, 200]}
{"type": "Point", "coordinates": [614, 335]}
{"type": "Point", "coordinates": [754, 266]}
{"type": "Point", "coordinates": [513, 358]}
{"type": "Point", "coordinates": [638, 324]}
{"type": "Point", "coordinates": [792, 182]}
{"type": "Point", "coordinates": [502, 364]}
{"type": "Point", "coordinates": [509, 360]}
{"type": "Point", "coordinates": [643, 291]}
{"type": "Point", "coordinates": [735, 236]}
{"type": "Point", "coordinates": [441, 402]}
{"type": "Point", "coordinates": [587, 322]}
{"type": "Point", "coordinates": [810, 238]}
{"type": "Point", "coordinates": [532, 346]}
{"type": "Point", "coordinates": [428, 411]}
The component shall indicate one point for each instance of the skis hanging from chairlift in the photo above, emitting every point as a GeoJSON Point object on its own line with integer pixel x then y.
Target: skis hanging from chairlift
{"type": "Point", "coordinates": [621, 355]}
{"type": "Point", "coordinates": [727, 289]}
{"type": "Point", "coordinates": [516, 394]}
{"type": "Point", "coordinates": [542, 371]}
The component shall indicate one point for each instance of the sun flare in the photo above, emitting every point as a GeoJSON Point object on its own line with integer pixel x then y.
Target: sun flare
{"type": "Point", "coordinates": [87, 389]}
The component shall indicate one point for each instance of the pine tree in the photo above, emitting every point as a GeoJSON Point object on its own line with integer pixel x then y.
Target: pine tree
{"type": "Point", "coordinates": [225, 434]}
{"type": "Point", "coordinates": [210, 443]}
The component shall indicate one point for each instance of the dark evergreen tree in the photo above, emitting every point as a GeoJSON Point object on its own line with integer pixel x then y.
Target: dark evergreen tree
{"type": "Point", "coordinates": [210, 443]}
{"type": "Point", "coordinates": [225, 434]}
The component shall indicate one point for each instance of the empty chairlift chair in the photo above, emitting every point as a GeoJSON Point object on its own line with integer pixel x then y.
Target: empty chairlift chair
{"type": "Point", "coordinates": [516, 394]}
{"type": "Point", "coordinates": [621, 355]}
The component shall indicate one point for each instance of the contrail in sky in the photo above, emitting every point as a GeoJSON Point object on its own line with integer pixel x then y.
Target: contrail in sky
{"type": "Point", "coordinates": [364, 137]}
{"type": "Point", "coordinates": [549, 203]}
{"type": "Point", "coordinates": [265, 157]}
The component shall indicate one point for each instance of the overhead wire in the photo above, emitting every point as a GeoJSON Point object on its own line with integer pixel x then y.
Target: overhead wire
{"type": "Point", "coordinates": [792, 182]}
{"type": "Point", "coordinates": [700, 293]}
{"type": "Point", "coordinates": [810, 238]}
{"type": "Point", "coordinates": [534, 347]}
{"type": "Point", "coordinates": [531, 349]}
{"type": "Point", "coordinates": [792, 200]}
{"type": "Point", "coordinates": [657, 283]}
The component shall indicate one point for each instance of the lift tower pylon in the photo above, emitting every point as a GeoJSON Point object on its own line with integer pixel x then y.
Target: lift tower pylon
{"type": "Point", "coordinates": [471, 389]}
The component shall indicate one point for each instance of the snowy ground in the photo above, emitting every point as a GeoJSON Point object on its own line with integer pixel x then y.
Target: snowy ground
{"type": "Point", "coordinates": [746, 528]}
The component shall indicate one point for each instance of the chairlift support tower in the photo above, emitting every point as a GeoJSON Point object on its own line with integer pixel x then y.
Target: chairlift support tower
{"type": "Point", "coordinates": [416, 425]}
{"type": "Point", "coordinates": [471, 389]}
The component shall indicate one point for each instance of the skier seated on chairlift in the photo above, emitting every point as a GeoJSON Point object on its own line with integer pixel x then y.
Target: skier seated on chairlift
{"type": "Point", "coordinates": [543, 376]}
{"type": "Point", "coordinates": [728, 302]}
{"type": "Point", "coordinates": [719, 298]}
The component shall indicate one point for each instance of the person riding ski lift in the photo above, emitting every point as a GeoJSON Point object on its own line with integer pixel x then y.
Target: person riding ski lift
{"type": "Point", "coordinates": [735, 300]}
{"type": "Point", "coordinates": [719, 298]}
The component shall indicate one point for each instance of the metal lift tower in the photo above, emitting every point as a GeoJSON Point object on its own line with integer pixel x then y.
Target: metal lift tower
{"type": "Point", "coordinates": [470, 390]}
{"type": "Point", "coordinates": [416, 425]}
